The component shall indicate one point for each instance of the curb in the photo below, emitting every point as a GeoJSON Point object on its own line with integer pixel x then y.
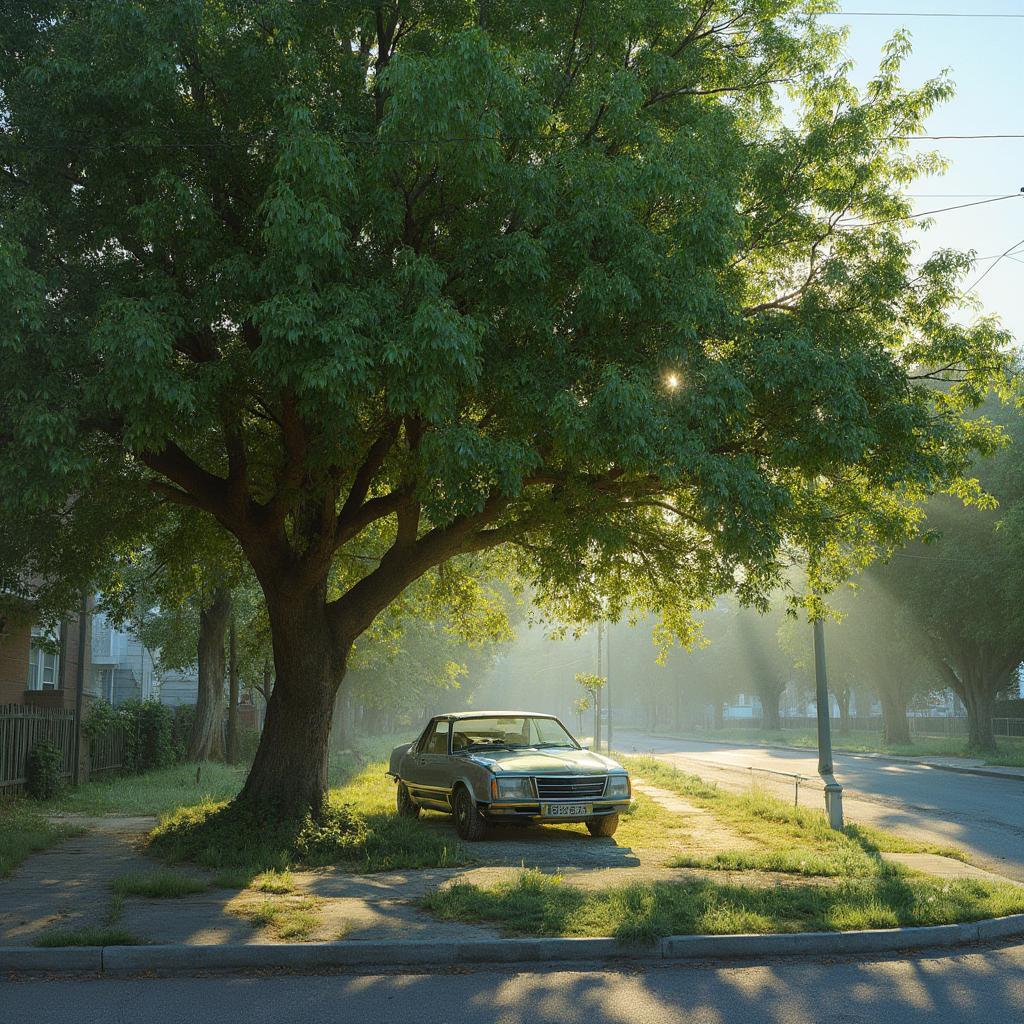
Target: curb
{"type": "Point", "coordinates": [988, 773]}
{"type": "Point", "coordinates": [135, 959]}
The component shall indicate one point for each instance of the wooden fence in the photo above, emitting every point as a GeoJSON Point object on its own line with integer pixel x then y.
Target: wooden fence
{"type": "Point", "coordinates": [21, 728]}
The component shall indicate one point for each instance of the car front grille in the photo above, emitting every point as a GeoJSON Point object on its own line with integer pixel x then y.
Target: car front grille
{"type": "Point", "coordinates": [570, 787]}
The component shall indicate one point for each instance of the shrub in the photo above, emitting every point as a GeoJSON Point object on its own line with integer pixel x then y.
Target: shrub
{"type": "Point", "coordinates": [149, 742]}
{"type": "Point", "coordinates": [43, 774]}
{"type": "Point", "coordinates": [181, 730]}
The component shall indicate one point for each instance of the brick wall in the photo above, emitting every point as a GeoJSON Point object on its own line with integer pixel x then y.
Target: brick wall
{"type": "Point", "coordinates": [15, 639]}
{"type": "Point", "coordinates": [14, 643]}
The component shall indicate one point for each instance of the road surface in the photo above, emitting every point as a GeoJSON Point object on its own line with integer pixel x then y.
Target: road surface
{"type": "Point", "coordinates": [982, 987]}
{"type": "Point", "coordinates": [982, 815]}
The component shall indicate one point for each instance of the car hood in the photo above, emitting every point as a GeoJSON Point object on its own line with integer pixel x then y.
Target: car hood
{"type": "Point", "coordinates": [546, 762]}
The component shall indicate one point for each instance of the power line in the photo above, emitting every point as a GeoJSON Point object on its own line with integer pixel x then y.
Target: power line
{"type": "Point", "coordinates": [935, 138]}
{"type": "Point", "coordinates": [928, 213]}
{"type": "Point", "coordinates": [995, 264]}
{"type": "Point", "coordinates": [917, 14]}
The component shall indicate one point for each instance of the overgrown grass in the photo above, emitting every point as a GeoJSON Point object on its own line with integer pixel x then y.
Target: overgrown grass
{"type": "Point", "coordinates": [86, 937]}
{"type": "Point", "coordinates": [157, 884]}
{"type": "Point", "coordinates": [24, 831]}
{"type": "Point", "coordinates": [153, 793]}
{"type": "Point", "coordinates": [791, 840]}
{"type": "Point", "coordinates": [360, 832]}
{"type": "Point", "coordinates": [538, 904]}
{"type": "Point", "coordinates": [1010, 753]}
{"type": "Point", "coordinates": [291, 920]}
{"type": "Point", "coordinates": [276, 882]}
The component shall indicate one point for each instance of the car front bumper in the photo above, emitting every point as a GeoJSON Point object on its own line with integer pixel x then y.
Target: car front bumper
{"type": "Point", "coordinates": [511, 811]}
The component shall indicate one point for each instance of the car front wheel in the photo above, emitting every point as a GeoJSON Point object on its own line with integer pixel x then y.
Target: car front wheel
{"type": "Point", "coordinates": [603, 826]}
{"type": "Point", "coordinates": [469, 822]}
{"type": "Point", "coordinates": [406, 808]}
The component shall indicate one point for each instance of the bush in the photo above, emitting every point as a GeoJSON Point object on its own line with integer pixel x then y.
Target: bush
{"type": "Point", "coordinates": [248, 741]}
{"type": "Point", "coordinates": [181, 730]}
{"type": "Point", "coordinates": [43, 774]}
{"type": "Point", "coordinates": [149, 732]}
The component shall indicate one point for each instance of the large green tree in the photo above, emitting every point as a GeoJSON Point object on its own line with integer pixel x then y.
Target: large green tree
{"type": "Point", "coordinates": [376, 283]}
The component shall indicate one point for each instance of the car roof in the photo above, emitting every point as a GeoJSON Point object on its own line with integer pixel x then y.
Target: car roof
{"type": "Point", "coordinates": [452, 715]}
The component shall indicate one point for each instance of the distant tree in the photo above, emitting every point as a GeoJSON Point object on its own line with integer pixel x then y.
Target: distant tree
{"type": "Point", "coordinates": [370, 287]}
{"type": "Point", "coordinates": [963, 586]}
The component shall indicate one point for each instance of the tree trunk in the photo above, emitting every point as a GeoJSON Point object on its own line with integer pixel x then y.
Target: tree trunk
{"type": "Point", "coordinates": [288, 777]}
{"type": "Point", "coordinates": [719, 714]}
{"type": "Point", "coordinates": [232, 751]}
{"type": "Point", "coordinates": [980, 703]}
{"type": "Point", "coordinates": [207, 740]}
{"type": "Point", "coordinates": [843, 700]}
{"type": "Point", "coordinates": [769, 694]}
{"type": "Point", "coordinates": [895, 727]}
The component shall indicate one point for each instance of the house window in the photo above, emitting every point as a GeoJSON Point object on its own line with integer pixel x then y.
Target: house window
{"type": "Point", "coordinates": [43, 659]}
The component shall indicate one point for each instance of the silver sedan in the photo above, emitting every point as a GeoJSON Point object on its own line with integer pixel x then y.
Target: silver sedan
{"type": "Point", "coordinates": [507, 767]}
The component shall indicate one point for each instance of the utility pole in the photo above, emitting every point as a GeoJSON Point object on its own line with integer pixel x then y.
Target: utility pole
{"type": "Point", "coordinates": [597, 691]}
{"type": "Point", "coordinates": [833, 791]}
{"type": "Point", "coordinates": [608, 684]}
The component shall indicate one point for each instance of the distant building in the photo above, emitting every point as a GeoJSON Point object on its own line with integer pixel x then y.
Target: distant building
{"type": "Point", "coordinates": [123, 669]}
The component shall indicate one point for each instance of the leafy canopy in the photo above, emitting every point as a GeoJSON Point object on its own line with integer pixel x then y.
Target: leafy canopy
{"type": "Point", "coordinates": [374, 285]}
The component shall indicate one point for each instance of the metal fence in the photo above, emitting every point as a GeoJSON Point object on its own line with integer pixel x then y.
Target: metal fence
{"type": "Point", "coordinates": [21, 728]}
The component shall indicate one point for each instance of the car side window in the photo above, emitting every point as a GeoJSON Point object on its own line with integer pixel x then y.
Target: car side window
{"type": "Point", "coordinates": [437, 742]}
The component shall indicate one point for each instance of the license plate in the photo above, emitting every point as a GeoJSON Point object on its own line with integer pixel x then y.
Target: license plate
{"type": "Point", "coordinates": [566, 810]}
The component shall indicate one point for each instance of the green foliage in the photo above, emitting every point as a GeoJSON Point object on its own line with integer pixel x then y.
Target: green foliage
{"type": "Point", "coordinates": [43, 775]}
{"type": "Point", "coordinates": [149, 740]}
{"type": "Point", "coordinates": [487, 249]}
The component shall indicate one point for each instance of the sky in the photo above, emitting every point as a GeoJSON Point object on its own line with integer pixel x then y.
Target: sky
{"type": "Point", "coordinates": [985, 58]}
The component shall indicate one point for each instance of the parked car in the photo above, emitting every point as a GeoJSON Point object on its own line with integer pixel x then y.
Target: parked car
{"type": "Point", "coordinates": [507, 767]}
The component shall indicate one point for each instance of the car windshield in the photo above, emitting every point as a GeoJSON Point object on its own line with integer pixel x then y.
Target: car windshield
{"type": "Point", "coordinates": [510, 732]}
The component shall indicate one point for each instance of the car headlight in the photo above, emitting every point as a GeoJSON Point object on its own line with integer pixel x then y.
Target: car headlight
{"type": "Point", "coordinates": [618, 786]}
{"type": "Point", "coordinates": [515, 789]}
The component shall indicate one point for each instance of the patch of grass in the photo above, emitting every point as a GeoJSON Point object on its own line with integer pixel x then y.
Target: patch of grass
{"type": "Point", "coordinates": [791, 840]}
{"type": "Point", "coordinates": [86, 937]}
{"type": "Point", "coordinates": [24, 831]}
{"type": "Point", "coordinates": [294, 919]}
{"type": "Point", "coordinates": [360, 832]}
{"type": "Point", "coordinates": [277, 882]}
{"type": "Point", "coordinates": [157, 885]}
{"type": "Point", "coordinates": [642, 912]}
{"type": "Point", "coordinates": [234, 878]}
{"type": "Point", "coordinates": [157, 792]}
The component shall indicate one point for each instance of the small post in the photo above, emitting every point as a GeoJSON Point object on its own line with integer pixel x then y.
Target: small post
{"type": "Point", "coordinates": [833, 791]}
{"type": "Point", "coordinates": [796, 792]}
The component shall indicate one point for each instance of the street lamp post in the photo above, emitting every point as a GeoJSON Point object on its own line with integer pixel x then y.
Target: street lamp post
{"type": "Point", "coordinates": [833, 791]}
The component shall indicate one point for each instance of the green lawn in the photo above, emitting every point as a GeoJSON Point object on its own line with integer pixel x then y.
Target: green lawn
{"type": "Point", "coordinates": [790, 840]}
{"type": "Point", "coordinates": [24, 831]}
{"type": "Point", "coordinates": [641, 912]}
{"type": "Point", "coordinates": [841, 882]}
{"type": "Point", "coordinates": [361, 832]}
{"type": "Point", "coordinates": [1011, 750]}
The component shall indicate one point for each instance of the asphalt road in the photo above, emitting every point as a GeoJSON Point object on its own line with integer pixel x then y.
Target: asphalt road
{"type": "Point", "coordinates": [982, 815]}
{"type": "Point", "coordinates": [985, 987]}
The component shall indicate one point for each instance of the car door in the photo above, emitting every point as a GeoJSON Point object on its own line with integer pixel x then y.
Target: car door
{"type": "Point", "coordinates": [429, 778]}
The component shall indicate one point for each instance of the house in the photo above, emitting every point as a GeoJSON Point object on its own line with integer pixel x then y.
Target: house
{"type": "Point", "coordinates": [122, 666]}
{"type": "Point", "coordinates": [40, 666]}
